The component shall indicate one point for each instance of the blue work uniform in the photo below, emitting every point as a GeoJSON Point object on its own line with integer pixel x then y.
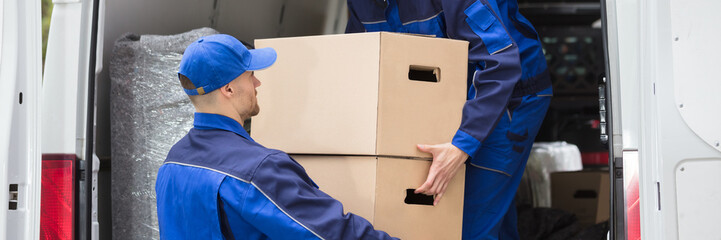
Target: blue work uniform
{"type": "Point", "coordinates": [509, 93]}
{"type": "Point", "coordinates": [217, 183]}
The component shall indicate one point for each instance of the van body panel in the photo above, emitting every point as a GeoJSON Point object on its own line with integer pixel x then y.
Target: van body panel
{"type": "Point", "coordinates": [663, 67]}
{"type": "Point", "coordinates": [20, 78]}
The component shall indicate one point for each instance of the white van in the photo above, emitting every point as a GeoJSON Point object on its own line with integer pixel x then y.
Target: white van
{"type": "Point", "coordinates": [660, 104]}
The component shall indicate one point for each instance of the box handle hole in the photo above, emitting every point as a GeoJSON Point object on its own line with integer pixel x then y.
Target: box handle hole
{"type": "Point", "coordinates": [418, 199]}
{"type": "Point", "coordinates": [585, 194]}
{"type": "Point", "coordinates": [424, 73]}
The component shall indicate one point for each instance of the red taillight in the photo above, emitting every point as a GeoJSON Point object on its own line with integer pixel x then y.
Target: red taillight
{"type": "Point", "coordinates": [57, 198]}
{"type": "Point", "coordinates": [633, 210]}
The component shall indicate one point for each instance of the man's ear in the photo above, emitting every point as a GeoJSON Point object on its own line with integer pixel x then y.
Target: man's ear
{"type": "Point", "coordinates": [227, 90]}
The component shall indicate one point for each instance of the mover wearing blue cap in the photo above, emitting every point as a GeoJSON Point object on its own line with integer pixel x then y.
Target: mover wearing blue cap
{"type": "Point", "coordinates": [218, 183]}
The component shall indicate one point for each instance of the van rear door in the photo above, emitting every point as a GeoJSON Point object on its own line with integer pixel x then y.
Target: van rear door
{"type": "Point", "coordinates": [71, 64]}
{"type": "Point", "coordinates": [20, 80]}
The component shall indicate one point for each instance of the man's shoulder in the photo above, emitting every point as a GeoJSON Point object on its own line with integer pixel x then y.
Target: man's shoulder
{"type": "Point", "coordinates": [277, 165]}
{"type": "Point", "coordinates": [219, 151]}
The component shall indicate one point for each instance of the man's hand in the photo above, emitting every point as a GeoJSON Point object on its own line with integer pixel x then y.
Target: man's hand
{"type": "Point", "coordinates": [447, 159]}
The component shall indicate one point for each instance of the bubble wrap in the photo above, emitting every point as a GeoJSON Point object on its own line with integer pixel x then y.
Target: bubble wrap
{"type": "Point", "coordinates": [149, 113]}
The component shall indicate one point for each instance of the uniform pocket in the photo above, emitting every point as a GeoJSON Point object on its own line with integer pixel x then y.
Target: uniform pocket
{"type": "Point", "coordinates": [496, 152]}
{"type": "Point", "coordinates": [485, 24]}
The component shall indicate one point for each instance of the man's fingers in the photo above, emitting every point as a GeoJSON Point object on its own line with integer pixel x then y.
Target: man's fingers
{"type": "Point", "coordinates": [443, 188]}
{"type": "Point", "coordinates": [437, 199]}
{"type": "Point", "coordinates": [440, 193]}
{"type": "Point", "coordinates": [436, 186]}
{"type": "Point", "coordinates": [446, 161]}
{"type": "Point", "coordinates": [442, 185]}
{"type": "Point", "coordinates": [424, 148]}
{"type": "Point", "coordinates": [426, 185]}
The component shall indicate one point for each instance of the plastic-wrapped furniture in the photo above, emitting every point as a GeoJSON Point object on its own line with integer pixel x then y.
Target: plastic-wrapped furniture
{"type": "Point", "coordinates": [149, 113]}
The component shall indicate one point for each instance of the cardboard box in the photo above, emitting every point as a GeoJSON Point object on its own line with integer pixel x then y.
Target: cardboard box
{"type": "Point", "coordinates": [351, 94]}
{"type": "Point", "coordinates": [585, 193]}
{"type": "Point", "coordinates": [377, 189]}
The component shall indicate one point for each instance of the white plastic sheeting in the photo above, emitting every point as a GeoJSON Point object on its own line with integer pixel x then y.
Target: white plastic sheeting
{"type": "Point", "coordinates": [149, 113]}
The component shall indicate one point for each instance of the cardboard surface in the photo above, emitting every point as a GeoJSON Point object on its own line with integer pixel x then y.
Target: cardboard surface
{"type": "Point", "coordinates": [350, 180]}
{"type": "Point", "coordinates": [410, 221]}
{"type": "Point", "coordinates": [302, 95]}
{"type": "Point", "coordinates": [351, 94]}
{"type": "Point", "coordinates": [584, 193]}
{"type": "Point", "coordinates": [376, 189]}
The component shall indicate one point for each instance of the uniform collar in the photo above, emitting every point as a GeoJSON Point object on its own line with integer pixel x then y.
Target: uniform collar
{"type": "Point", "coordinates": [206, 121]}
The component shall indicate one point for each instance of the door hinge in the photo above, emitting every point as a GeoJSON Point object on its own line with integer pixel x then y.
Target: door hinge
{"type": "Point", "coordinates": [602, 109]}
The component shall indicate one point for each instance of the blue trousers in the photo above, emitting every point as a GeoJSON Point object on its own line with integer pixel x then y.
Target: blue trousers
{"type": "Point", "coordinates": [493, 174]}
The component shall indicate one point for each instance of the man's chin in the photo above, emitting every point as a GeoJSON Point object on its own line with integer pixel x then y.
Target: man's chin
{"type": "Point", "coordinates": [255, 111]}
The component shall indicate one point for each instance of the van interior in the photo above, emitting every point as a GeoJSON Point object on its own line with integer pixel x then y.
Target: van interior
{"type": "Point", "coordinates": [570, 31]}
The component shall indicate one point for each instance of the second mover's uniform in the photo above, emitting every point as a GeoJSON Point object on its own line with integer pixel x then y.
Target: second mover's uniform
{"type": "Point", "coordinates": [217, 183]}
{"type": "Point", "coordinates": [509, 92]}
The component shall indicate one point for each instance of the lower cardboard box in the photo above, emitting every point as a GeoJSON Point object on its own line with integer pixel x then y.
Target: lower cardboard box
{"type": "Point", "coordinates": [380, 189]}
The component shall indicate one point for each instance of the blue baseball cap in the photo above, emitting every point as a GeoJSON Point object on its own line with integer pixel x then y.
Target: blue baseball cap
{"type": "Point", "coordinates": [213, 61]}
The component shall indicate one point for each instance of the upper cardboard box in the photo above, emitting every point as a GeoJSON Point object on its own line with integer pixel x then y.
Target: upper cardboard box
{"type": "Point", "coordinates": [361, 94]}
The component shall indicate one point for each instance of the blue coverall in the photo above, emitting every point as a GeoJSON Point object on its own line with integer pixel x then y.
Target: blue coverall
{"type": "Point", "coordinates": [217, 183]}
{"type": "Point", "coordinates": [509, 93]}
